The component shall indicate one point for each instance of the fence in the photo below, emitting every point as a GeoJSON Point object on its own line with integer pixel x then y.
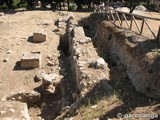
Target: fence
{"type": "Point", "coordinates": [119, 17]}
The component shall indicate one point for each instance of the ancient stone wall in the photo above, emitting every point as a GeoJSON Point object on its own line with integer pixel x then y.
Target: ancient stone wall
{"type": "Point", "coordinates": [88, 68]}
{"type": "Point", "coordinates": [138, 55]}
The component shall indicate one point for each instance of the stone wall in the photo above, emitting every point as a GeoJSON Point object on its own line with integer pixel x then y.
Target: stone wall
{"type": "Point", "coordinates": [87, 67]}
{"type": "Point", "coordinates": [139, 55]}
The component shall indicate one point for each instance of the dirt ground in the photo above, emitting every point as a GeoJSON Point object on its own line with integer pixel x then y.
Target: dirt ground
{"type": "Point", "coordinates": [15, 31]}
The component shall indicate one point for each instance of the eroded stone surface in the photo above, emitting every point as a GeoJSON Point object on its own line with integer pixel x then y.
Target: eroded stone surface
{"type": "Point", "coordinates": [48, 79]}
{"type": "Point", "coordinates": [82, 54]}
{"type": "Point", "coordinates": [134, 52]}
{"type": "Point", "coordinates": [14, 110]}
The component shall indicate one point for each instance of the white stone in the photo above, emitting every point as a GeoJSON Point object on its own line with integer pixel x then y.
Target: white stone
{"type": "Point", "coordinates": [50, 63]}
{"type": "Point", "coordinates": [123, 9]}
{"type": "Point", "coordinates": [48, 78]}
{"type": "Point", "coordinates": [94, 107]}
{"type": "Point", "coordinates": [3, 99]}
{"type": "Point", "coordinates": [71, 118]}
{"type": "Point", "coordinates": [6, 60]}
{"type": "Point", "coordinates": [61, 24]}
{"type": "Point", "coordinates": [140, 8]}
{"type": "Point", "coordinates": [100, 63]}
{"type": "Point", "coordinates": [78, 32]}
{"type": "Point", "coordinates": [49, 56]}
{"type": "Point", "coordinates": [2, 112]}
{"type": "Point", "coordinates": [50, 89]}
{"type": "Point", "coordinates": [12, 110]}
{"type": "Point", "coordinates": [39, 76]}
{"type": "Point", "coordinates": [9, 52]}
{"type": "Point", "coordinates": [1, 14]}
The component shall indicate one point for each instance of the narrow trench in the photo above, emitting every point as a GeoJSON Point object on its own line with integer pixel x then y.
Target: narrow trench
{"type": "Point", "coordinates": [51, 105]}
{"type": "Point", "coordinates": [122, 86]}
{"type": "Point", "coordinates": [120, 82]}
{"type": "Point", "coordinates": [63, 95]}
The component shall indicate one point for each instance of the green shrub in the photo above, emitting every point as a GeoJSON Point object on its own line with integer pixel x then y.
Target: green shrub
{"type": "Point", "coordinates": [24, 6]}
{"type": "Point", "coordinates": [152, 7]}
{"type": "Point", "coordinates": [143, 3]}
{"type": "Point", "coordinates": [72, 7]}
{"type": "Point", "coordinates": [3, 7]}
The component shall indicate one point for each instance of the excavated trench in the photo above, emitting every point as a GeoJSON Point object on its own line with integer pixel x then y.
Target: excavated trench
{"type": "Point", "coordinates": [138, 55]}
{"type": "Point", "coordinates": [82, 46]}
{"type": "Point", "coordinates": [98, 59]}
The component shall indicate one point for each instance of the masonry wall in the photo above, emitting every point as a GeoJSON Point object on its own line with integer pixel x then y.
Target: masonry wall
{"type": "Point", "coordinates": [138, 55]}
{"type": "Point", "coordinates": [82, 56]}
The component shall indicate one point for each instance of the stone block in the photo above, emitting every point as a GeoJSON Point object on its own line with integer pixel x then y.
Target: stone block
{"type": "Point", "coordinates": [1, 14]}
{"type": "Point", "coordinates": [14, 110]}
{"type": "Point", "coordinates": [78, 33]}
{"type": "Point", "coordinates": [61, 25]}
{"type": "Point", "coordinates": [31, 60]}
{"type": "Point", "coordinates": [39, 36]}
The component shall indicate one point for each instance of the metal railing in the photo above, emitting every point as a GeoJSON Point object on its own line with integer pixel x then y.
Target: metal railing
{"type": "Point", "coordinates": [119, 17]}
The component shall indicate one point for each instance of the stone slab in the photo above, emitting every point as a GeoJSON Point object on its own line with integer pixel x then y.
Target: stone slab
{"type": "Point", "coordinates": [39, 36]}
{"type": "Point", "coordinates": [31, 60]}
{"type": "Point", "coordinates": [14, 110]}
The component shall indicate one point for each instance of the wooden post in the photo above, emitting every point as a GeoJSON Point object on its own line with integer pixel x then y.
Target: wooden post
{"type": "Point", "coordinates": [121, 20]}
{"type": "Point", "coordinates": [136, 23]}
{"type": "Point", "coordinates": [126, 20]}
{"type": "Point", "coordinates": [150, 28]}
{"type": "Point", "coordinates": [131, 23]}
{"type": "Point", "coordinates": [142, 26]}
{"type": "Point", "coordinates": [112, 15]}
{"type": "Point", "coordinates": [158, 35]}
{"type": "Point", "coordinates": [118, 18]}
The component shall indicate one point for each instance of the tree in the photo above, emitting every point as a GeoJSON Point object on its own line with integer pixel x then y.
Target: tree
{"type": "Point", "coordinates": [8, 3]}
{"type": "Point", "coordinates": [79, 3]}
{"type": "Point", "coordinates": [30, 3]}
{"type": "Point", "coordinates": [132, 4]}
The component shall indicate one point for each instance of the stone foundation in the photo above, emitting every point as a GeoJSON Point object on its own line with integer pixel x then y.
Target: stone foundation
{"type": "Point", "coordinates": [138, 55]}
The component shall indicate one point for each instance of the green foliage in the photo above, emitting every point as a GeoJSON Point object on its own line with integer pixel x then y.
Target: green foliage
{"type": "Point", "coordinates": [89, 102]}
{"type": "Point", "coordinates": [24, 5]}
{"type": "Point", "coordinates": [15, 2]}
{"type": "Point", "coordinates": [143, 3]}
{"type": "Point", "coordinates": [3, 7]}
{"type": "Point", "coordinates": [152, 7]}
{"type": "Point", "coordinates": [133, 3]}
{"type": "Point", "coordinates": [72, 7]}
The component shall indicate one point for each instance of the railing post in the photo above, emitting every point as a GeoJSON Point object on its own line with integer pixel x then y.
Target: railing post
{"type": "Point", "coordinates": [121, 20]}
{"type": "Point", "coordinates": [131, 23]}
{"type": "Point", "coordinates": [142, 26]}
{"type": "Point", "coordinates": [158, 35]}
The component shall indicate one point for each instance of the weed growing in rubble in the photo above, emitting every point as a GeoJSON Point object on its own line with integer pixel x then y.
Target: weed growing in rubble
{"type": "Point", "coordinates": [89, 102]}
